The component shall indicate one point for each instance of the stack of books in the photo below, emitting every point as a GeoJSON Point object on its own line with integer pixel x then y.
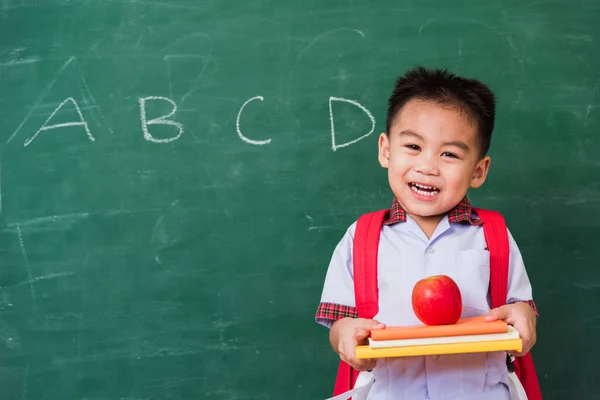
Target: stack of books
{"type": "Point", "coordinates": [468, 335]}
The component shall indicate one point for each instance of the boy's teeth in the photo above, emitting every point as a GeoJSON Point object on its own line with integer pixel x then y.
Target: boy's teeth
{"type": "Point", "coordinates": [424, 190]}
{"type": "Point", "coordinates": [423, 186]}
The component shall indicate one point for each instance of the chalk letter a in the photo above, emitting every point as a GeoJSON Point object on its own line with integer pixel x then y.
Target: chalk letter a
{"type": "Point", "coordinates": [47, 127]}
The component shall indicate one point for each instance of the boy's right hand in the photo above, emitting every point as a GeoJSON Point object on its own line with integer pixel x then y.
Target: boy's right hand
{"type": "Point", "coordinates": [347, 333]}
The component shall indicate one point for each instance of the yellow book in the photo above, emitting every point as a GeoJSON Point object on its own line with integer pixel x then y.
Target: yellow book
{"type": "Point", "coordinates": [438, 349]}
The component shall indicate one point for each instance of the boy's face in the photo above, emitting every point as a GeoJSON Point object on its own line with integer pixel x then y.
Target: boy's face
{"type": "Point", "coordinates": [433, 158]}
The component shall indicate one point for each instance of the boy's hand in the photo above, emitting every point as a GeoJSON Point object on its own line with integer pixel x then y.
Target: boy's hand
{"type": "Point", "coordinates": [522, 317]}
{"type": "Point", "coordinates": [346, 334]}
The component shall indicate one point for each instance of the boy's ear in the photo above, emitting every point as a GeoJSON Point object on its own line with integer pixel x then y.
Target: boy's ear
{"type": "Point", "coordinates": [384, 150]}
{"type": "Point", "coordinates": [480, 172]}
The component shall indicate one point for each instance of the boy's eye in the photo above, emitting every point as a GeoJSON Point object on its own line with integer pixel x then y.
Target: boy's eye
{"type": "Point", "coordinates": [413, 147]}
{"type": "Point", "coordinates": [448, 154]}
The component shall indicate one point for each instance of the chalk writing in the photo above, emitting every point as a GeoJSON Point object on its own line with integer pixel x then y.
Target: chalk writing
{"type": "Point", "coordinates": [336, 146]}
{"type": "Point", "coordinates": [158, 121]}
{"type": "Point", "coordinates": [167, 119]}
{"type": "Point", "coordinates": [237, 125]}
{"type": "Point", "coordinates": [46, 127]}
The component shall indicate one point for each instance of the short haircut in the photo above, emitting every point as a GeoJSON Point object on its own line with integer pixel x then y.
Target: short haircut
{"type": "Point", "coordinates": [442, 87]}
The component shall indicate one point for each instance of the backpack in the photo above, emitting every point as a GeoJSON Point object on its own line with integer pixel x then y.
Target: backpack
{"type": "Point", "coordinates": [365, 250]}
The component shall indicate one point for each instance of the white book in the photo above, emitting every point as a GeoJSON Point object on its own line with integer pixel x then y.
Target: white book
{"type": "Point", "coordinates": [381, 344]}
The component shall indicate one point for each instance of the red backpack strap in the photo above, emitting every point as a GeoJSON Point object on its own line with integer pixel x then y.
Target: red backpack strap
{"type": "Point", "coordinates": [496, 237]}
{"type": "Point", "coordinates": [364, 255]}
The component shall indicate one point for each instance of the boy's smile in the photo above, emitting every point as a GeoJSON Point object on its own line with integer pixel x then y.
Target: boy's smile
{"type": "Point", "coordinates": [433, 158]}
{"type": "Point", "coordinates": [424, 192]}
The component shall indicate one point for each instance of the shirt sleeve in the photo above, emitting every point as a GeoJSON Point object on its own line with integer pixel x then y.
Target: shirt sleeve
{"type": "Point", "coordinates": [337, 298]}
{"type": "Point", "coordinates": [519, 287]}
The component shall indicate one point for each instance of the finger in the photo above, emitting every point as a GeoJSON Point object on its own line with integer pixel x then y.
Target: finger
{"type": "Point", "coordinates": [349, 356]}
{"type": "Point", "coordinates": [526, 331]}
{"type": "Point", "coordinates": [490, 318]}
{"type": "Point", "coordinates": [502, 313]}
{"type": "Point", "coordinates": [348, 353]}
{"type": "Point", "coordinates": [363, 330]}
{"type": "Point", "coordinates": [370, 324]}
{"type": "Point", "coordinates": [378, 325]}
{"type": "Point", "coordinates": [523, 330]}
{"type": "Point", "coordinates": [527, 345]}
{"type": "Point", "coordinates": [363, 364]}
{"type": "Point", "coordinates": [367, 364]}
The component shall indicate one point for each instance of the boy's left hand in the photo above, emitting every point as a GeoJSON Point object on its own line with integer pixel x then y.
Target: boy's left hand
{"type": "Point", "coordinates": [522, 317]}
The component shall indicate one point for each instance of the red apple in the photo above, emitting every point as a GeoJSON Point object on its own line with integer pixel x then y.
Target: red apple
{"type": "Point", "coordinates": [436, 300]}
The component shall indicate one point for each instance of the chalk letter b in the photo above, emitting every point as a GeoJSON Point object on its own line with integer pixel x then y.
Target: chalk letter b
{"type": "Point", "coordinates": [158, 121]}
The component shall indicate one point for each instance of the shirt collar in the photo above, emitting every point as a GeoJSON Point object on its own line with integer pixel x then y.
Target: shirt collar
{"type": "Point", "coordinates": [461, 213]}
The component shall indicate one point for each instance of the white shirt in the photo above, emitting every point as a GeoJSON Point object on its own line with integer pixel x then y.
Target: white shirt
{"type": "Point", "coordinates": [405, 256]}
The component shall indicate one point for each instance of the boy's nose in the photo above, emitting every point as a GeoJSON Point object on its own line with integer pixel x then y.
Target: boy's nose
{"type": "Point", "coordinates": [427, 165]}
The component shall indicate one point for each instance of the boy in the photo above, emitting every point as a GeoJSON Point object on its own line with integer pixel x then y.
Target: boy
{"type": "Point", "coordinates": [435, 147]}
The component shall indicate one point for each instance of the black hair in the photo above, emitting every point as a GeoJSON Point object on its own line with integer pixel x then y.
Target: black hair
{"type": "Point", "coordinates": [445, 88]}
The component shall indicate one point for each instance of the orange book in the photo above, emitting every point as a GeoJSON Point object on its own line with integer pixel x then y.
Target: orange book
{"type": "Point", "coordinates": [464, 326]}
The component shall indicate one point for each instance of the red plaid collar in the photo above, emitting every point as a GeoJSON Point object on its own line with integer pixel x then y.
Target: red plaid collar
{"type": "Point", "coordinates": [461, 213]}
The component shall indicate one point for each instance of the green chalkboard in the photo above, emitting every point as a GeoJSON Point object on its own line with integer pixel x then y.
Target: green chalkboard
{"type": "Point", "coordinates": [171, 191]}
